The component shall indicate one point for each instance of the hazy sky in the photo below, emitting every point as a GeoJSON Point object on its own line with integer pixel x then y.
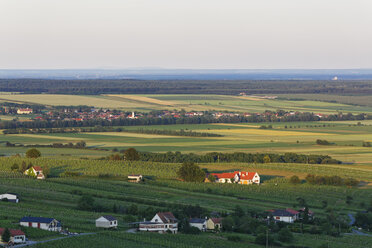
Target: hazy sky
{"type": "Point", "coordinates": [245, 34]}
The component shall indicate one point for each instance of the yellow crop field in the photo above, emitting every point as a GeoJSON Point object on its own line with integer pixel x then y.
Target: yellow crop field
{"type": "Point", "coordinates": [145, 99]}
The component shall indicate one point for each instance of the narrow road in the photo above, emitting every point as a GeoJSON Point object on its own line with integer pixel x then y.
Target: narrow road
{"type": "Point", "coordinates": [30, 243]}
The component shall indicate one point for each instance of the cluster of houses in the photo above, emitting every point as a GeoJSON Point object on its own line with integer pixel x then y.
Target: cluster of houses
{"type": "Point", "coordinates": [35, 171]}
{"type": "Point", "coordinates": [239, 177]}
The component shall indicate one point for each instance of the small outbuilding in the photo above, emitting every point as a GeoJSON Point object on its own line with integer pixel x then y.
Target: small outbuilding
{"type": "Point", "coordinates": [214, 224]}
{"type": "Point", "coordinates": [135, 178]}
{"type": "Point", "coordinates": [9, 197]}
{"type": "Point", "coordinates": [107, 221]}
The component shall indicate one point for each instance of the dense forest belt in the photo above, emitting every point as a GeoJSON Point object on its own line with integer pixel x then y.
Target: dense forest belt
{"type": "Point", "coordinates": [217, 157]}
{"type": "Point", "coordinates": [223, 87]}
{"type": "Point", "coordinates": [111, 129]}
{"type": "Point", "coordinates": [147, 121]}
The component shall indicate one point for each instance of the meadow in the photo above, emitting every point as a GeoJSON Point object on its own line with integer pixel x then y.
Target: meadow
{"type": "Point", "coordinates": [145, 103]}
{"type": "Point", "coordinates": [346, 138]}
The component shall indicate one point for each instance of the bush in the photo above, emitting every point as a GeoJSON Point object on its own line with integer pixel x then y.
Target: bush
{"type": "Point", "coordinates": [322, 142]}
{"type": "Point", "coordinates": [284, 235]}
{"type": "Point", "coordinates": [234, 238]}
{"type": "Point", "coordinates": [295, 180]}
{"type": "Point", "coordinates": [131, 154]}
{"type": "Point", "coordinates": [33, 153]}
{"type": "Point", "coordinates": [190, 172]}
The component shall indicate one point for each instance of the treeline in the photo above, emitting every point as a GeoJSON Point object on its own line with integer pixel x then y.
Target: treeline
{"type": "Point", "coordinates": [215, 157]}
{"type": "Point", "coordinates": [233, 87]}
{"type": "Point", "coordinates": [181, 132]}
{"type": "Point", "coordinates": [78, 145]}
{"type": "Point", "coordinates": [331, 180]}
{"type": "Point", "coordinates": [169, 120]}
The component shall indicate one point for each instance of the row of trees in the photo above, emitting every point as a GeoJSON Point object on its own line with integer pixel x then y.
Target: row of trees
{"type": "Point", "coordinates": [220, 87]}
{"type": "Point", "coordinates": [216, 157]}
{"type": "Point", "coordinates": [170, 120]}
{"type": "Point", "coordinates": [331, 180]}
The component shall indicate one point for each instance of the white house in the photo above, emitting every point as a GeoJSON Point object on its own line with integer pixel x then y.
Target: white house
{"type": "Point", "coordinates": [26, 111]}
{"type": "Point", "coordinates": [16, 236]}
{"type": "Point", "coordinates": [107, 221]}
{"type": "Point", "coordinates": [48, 224]}
{"type": "Point", "coordinates": [9, 197]}
{"type": "Point", "coordinates": [201, 224]}
{"type": "Point", "coordinates": [35, 171]}
{"type": "Point", "coordinates": [135, 178]}
{"type": "Point", "coordinates": [162, 222]}
{"type": "Point", "coordinates": [240, 177]}
{"type": "Point", "coordinates": [287, 215]}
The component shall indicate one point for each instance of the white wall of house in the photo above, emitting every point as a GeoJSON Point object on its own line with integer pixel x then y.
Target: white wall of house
{"type": "Point", "coordinates": [288, 219]}
{"type": "Point", "coordinates": [9, 197]}
{"type": "Point", "coordinates": [104, 223]}
{"type": "Point", "coordinates": [45, 226]}
{"type": "Point", "coordinates": [200, 226]}
{"type": "Point", "coordinates": [159, 227]}
{"type": "Point", "coordinates": [18, 239]}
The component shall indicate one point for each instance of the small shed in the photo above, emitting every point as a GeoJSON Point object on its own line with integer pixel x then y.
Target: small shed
{"type": "Point", "coordinates": [135, 178]}
{"type": "Point", "coordinates": [107, 221]}
{"type": "Point", "coordinates": [9, 197]}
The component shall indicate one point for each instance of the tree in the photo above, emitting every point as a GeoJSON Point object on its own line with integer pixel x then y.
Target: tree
{"type": "Point", "coordinates": [228, 224]}
{"type": "Point", "coordinates": [266, 159]}
{"type": "Point", "coordinates": [15, 167]}
{"type": "Point", "coordinates": [6, 235]}
{"type": "Point", "coordinates": [33, 153]}
{"type": "Point", "coordinates": [211, 178]}
{"type": "Point", "coordinates": [86, 202]}
{"type": "Point", "coordinates": [284, 235]}
{"type": "Point", "coordinates": [190, 172]}
{"type": "Point", "coordinates": [131, 154]}
{"type": "Point", "coordinates": [295, 180]}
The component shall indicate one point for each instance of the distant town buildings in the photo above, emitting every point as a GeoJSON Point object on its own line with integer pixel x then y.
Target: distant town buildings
{"type": "Point", "coordinates": [24, 111]}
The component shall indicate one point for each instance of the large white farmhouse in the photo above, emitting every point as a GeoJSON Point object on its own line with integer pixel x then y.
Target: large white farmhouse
{"type": "Point", "coordinates": [48, 224]}
{"type": "Point", "coordinates": [240, 177]}
{"type": "Point", "coordinates": [162, 222]}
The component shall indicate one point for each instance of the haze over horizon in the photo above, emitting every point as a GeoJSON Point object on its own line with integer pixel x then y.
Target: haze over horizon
{"type": "Point", "coordinates": [165, 34]}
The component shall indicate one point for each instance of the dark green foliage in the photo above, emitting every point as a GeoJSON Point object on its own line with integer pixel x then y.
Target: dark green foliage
{"type": "Point", "coordinates": [295, 180]}
{"type": "Point", "coordinates": [131, 154]}
{"type": "Point", "coordinates": [33, 153]}
{"type": "Point", "coordinates": [6, 236]}
{"type": "Point", "coordinates": [190, 172]}
{"type": "Point", "coordinates": [285, 235]}
{"type": "Point", "coordinates": [234, 238]}
{"type": "Point", "coordinates": [331, 180]}
{"type": "Point", "coordinates": [86, 202]}
{"type": "Point", "coordinates": [228, 224]}
{"type": "Point", "coordinates": [366, 144]}
{"type": "Point", "coordinates": [364, 220]}
{"type": "Point", "coordinates": [15, 167]}
{"type": "Point", "coordinates": [322, 142]}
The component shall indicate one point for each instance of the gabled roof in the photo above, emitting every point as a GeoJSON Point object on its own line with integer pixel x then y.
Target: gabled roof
{"type": "Point", "coordinates": [247, 175]}
{"type": "Point", "coordinates": [36, 219]}
{"type": "Point", "coordinates": [281, 212]}
{"type": "Point", "coordinates": [216, 220]}
{"type": "Point", "coordinates": [291, 210]}
{"type": "Point", "coordinates": [13, 232]}
{"type": "Point", "coordinates": [109, 217]}
{"type": "Point", "coordinates": [227, 175]}
{"type": "Point", "coordinates": [37, 168]}
{"type": "Point", "coordinates": [197, 220]}
{"type": "Point", "coordinates": [167, 217]}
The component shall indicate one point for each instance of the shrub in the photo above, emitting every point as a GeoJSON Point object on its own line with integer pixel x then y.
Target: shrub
{"type": "Point", "coordinates": [295, 180]}
{"type": "Point", "coordinates": [190, 172]}
{"type": "Point", "coordinates": [33, 153]}
{"type": "Point", "coordinates": [234, 238]}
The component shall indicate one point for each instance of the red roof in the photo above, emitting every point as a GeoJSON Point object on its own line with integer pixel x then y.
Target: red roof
{"type": "Point", "coordinates": [216, 220]}
{"type": "Point", "coordinates": [167, 217]}
{"type": "Point", "coordinates": [37, 168]}
{"type": "Point", "coordinates": [13, 232]}
{"type": "Point", "coordinates": [247, 175]}
{"type": "Point", "coordinates": [292, 211]}
{"type": "Point", "coordinates": [224, 175]}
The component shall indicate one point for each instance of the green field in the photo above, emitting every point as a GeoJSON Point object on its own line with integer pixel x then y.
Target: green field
{"type": "Point", "coordinates": [187, 102]}
{"type": "Point", "coordinates": [58, 197]}
{"type": "Point", "coordinates": [298, 137]}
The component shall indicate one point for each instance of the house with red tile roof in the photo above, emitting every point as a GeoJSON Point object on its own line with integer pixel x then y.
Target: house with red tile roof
{"type": "Point", "coordinates": [16, 236]}
{"type": "Point", "coordinates": [240, 177]}
{"type": "Point", "coordinates": [214, 224]}
{"type": "Point", "coordinates": [35, 171]}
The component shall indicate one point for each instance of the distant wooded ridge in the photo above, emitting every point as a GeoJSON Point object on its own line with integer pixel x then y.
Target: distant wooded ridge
{"type": "Point", "coordinates": [222, 87]}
